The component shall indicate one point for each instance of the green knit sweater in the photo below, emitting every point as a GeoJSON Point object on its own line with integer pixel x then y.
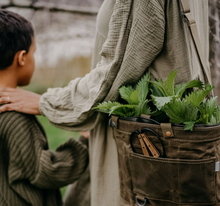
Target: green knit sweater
{"type": "Point", "coordinates": [30, 174]}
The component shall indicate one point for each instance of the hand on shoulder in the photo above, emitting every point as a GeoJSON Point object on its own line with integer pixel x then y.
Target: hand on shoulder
{"type": "Point", "coordinates": [19, 100]}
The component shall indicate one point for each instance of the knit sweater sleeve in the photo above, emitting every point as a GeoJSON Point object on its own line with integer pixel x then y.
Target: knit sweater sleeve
{"type": "Point", "coordinates": [31, 160]}
{"type": "Point", "coordinates": [135, 38]}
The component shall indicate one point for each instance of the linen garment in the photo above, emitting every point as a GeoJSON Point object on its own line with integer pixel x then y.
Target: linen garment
{"type": "Point", "coordinates": [132, 38]}
{"type": "Point", "coordinates": [78, 193]}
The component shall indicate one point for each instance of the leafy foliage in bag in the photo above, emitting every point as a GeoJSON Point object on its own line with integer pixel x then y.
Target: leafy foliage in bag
{"type": "Point", "coordinates": [136, 98]}
{"type": "Point", "coordinates": [181, 104]}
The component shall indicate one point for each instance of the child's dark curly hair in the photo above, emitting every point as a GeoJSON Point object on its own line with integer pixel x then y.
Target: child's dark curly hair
{"type": "Point", "coordinates": [16, 34]}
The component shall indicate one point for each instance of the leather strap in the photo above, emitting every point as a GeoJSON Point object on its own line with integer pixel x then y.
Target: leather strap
{"type": "Point", "coordinates": [195, 36]}
{"type": "Point", "coordinates": [114, 121]}
{"type": "Point", "coordinates": [185, 5]}
{"type": "Point", "coordinates": [167, 130]}
{"type": "Point", "coordinates": [145, 116]}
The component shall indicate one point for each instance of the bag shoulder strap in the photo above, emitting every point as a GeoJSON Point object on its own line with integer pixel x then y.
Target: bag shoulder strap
{"type": "Point", "coordinates": [195, 36]}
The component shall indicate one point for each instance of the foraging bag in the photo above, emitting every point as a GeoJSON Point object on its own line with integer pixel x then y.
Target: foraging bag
{"type": "Point", "coordinates": [183, 166]}
{"type": "Point", "coordinates": [188, 173]}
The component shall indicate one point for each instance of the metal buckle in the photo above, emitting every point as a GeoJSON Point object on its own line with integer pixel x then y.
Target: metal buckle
{"type": "Point", "coordinates": [145, 201]}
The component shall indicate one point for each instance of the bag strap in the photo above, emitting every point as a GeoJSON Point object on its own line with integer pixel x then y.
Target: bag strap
{"type": "Point", "coordinates": [195, 36]}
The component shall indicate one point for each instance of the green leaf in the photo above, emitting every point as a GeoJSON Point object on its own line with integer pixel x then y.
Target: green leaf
{"type": "Point", "coordinates": [212, 120]}
{"type": "Point", "coordinates": [129, 94]}
{"type": "Point", "coordinates": [167, 87]}
{"type": "Point", "coordinates": [155, 91]}
{"type": "Point", "coordinates": [106, 106]}
{"type": "Point", "coordinates": [217, 114]}
{"type": "Point", "coordinates": [195, 83]}
{"type": "Point", "coordinates": [143, 87]}
{"type": "Point", "coordinates": [142, 108]}
{"type": "Point", "coordinates": [159, 102]}
{"type": "Point", "coordinates": [123, 110]}
{"type": "Point", "coordinates": [189, 125]}
{"type": "Point", "coordinates": [160, 85]}
{"type": "Point", "coordinates": [134, 97]}
{"type": "Point", "coordinates": [181, 111]}
{"type": "Point", "coordinates": [169, 83]}
{"type": "Point", "coordinates": [180, 88]}
{"type": "Point", "coordinates": [125, 93]}
{"type": "Point", "coordinates": [196, 97]}
{"type": "Point", "coordinates": [208, 107]}
{"type": "Point", "coordinates": [203, 118]}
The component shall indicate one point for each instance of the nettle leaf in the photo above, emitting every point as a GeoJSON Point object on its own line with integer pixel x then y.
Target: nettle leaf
{"type": "Point", "coordinates": [217, 114]}
{"type": "Point", "coordinates": [208, 107]}
{"type": "Point", "coordinates": [196, 97]}
{"type": "Point", "coordinates": [159, 102]}
{"type": "Point", "coordinates": [123, 110]}
{"type": "Point", "coordinates": [211, 104]}
{"type": "Point", "coordinates": [106, 106]}
{"type": "Point", "coordinates": [181, 111]}
{"type": "Point", "coordinates": [181, 88]}
{"type": "Point", "coordinates": [155, 91]}
{"type": "Point", "coordinates": [143, 87]}
{"type": "Point", "coordinates": [195, 83]}
{"type": "Point", "coordinates": [129, 94]}
{"type": "Point", "coordinates": [134, 97]}
{"type": "Point", "coordinates": [169, 83]}
{"type": "Point", "coordinates": [203, 117]}
{"type": "Point", "coordinates": [189, 126]}
{"type": "Point", "coordinates": [125, 93]}
{"type": "Point", "coordinates": [142, 108]}
{"type": "Point", "coordinates": [167, 87]}
{"type": "Point", "coordinates": [160, 85]}
{"type": "Point", "coordinates": [213, 120]}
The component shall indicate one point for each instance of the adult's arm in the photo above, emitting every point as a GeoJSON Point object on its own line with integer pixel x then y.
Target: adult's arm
{"type": "Point", "coordinates": [135, 38]}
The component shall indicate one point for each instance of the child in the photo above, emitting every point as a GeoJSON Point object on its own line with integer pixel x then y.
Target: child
{"type": "Point", "coordinates": [30, 174]}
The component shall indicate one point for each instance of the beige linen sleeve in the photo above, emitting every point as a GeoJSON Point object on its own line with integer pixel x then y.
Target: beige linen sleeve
{"type": "Point", "coordinates": [135, 37]}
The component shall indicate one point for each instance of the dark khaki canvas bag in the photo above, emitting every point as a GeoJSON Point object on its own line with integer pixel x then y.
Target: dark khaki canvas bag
{"type": "Point", "coordinates": [186, 172]}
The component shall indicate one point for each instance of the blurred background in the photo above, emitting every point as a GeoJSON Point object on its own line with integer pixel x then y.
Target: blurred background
{"type": "Point", "coordinates": [65, 31]}
{"type": "Point", "coordinates": [214, 44]}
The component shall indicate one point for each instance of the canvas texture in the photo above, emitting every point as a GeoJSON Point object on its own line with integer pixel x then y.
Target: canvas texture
{"type": "Point", "coordinates": [186, 176]}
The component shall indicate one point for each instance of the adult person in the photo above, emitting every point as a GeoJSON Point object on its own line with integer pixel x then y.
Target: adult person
{"type": "Point", "coordinates": [132, 37]}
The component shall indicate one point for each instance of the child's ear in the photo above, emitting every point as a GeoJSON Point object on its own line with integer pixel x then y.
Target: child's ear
{"type": "Point", "coordinates": [21, 57]}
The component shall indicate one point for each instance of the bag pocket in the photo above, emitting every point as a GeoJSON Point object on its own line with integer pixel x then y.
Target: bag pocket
{"type": "Point", "coordinates": [176, 181]}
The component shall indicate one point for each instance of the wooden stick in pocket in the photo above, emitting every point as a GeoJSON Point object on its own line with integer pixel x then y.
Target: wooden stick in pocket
{"type": "Point", "coordinates": [150, 146]}
{"type": "Point", "coordinates": [143, 146]}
